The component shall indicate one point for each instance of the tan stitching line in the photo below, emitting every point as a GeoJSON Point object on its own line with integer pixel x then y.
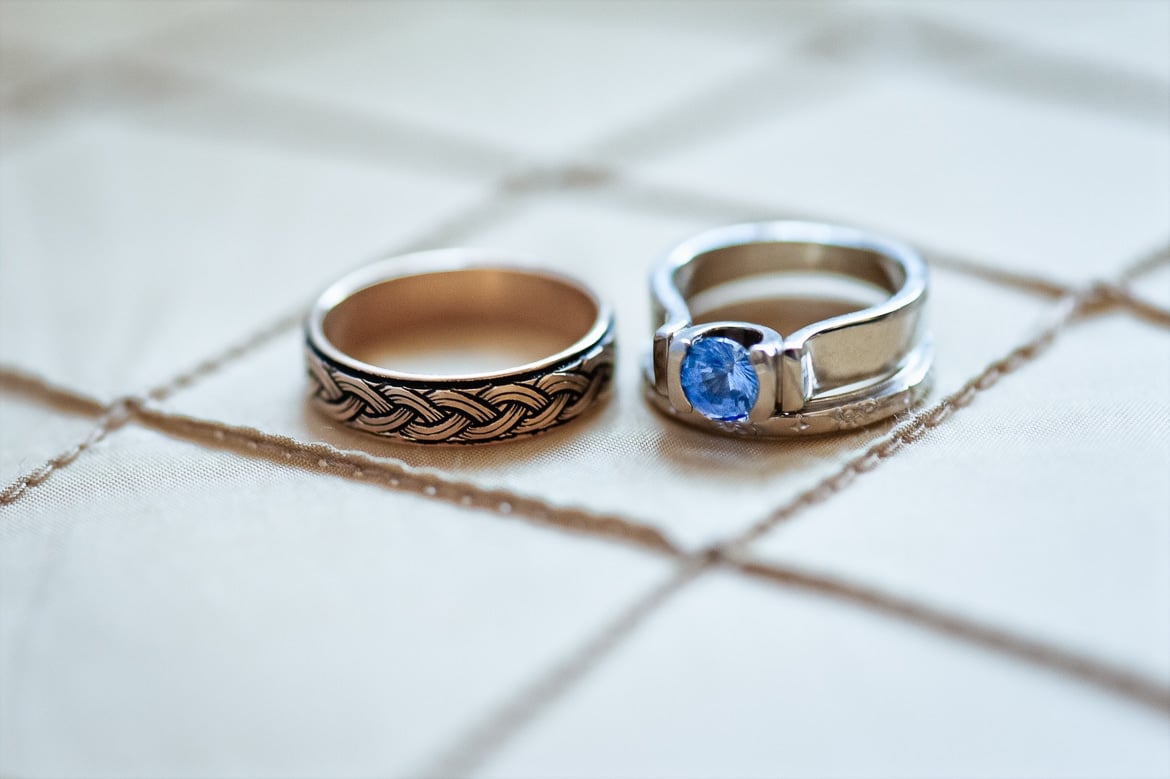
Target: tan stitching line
{"type": "Point", "coordinates": [20, 382]}
{"type": "Point", "coordinates": [1138, 307]}
{"type": "Point", "coordinates": [920, 424]}
{"type": "Point", "coordinates": [319, 457]}
{"type": "Point", "coordinates": [1123, 292]}
{"type": "Point", "coordinates": [117, 416]}
{"type": "Point", "coordinates": [1155, 259]}
{"type": "Point", "coordinates": [469, 750]}
{"type": "Point", "coordinates": [1036, 285]}
{"type": "Point", "coordinates": [399, 476]}
{"type": "Point", "coordinates": [211, 365]}
{"type": "Point", "coordinates": [1095, 672]}
{"type": "Point", "coordinates": [1009, 67]}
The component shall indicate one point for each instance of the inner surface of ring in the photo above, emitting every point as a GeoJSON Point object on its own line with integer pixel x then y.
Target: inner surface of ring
{"type": "Point", "coordinates": [719, 266]}
{"type": "Point", "coordinates": [784, 302]}
{"type": "Point", "coordinates": [459, 323]}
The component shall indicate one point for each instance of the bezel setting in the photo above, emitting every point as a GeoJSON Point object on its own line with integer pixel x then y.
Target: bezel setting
{"type": "Point", "coordinates": [763, 346]}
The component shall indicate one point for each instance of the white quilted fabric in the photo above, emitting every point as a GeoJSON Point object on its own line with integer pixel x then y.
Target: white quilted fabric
{"type": "Point", "coordinates": [200, 577]}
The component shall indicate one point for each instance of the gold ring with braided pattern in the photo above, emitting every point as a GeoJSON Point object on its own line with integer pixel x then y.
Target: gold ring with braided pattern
{"type": "Point", "coordinates": [429, 291]}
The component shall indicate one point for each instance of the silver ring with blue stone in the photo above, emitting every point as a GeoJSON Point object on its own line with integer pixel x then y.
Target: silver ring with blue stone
{"type": "Point", "coordinates": [865, 363]}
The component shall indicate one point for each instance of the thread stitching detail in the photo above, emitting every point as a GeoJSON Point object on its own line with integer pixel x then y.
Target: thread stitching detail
{"type": "Point", "coordinates": [399, 476]}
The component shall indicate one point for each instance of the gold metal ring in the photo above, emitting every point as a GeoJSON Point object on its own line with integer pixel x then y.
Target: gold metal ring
{"type": "Point", "coordinates": [435, 288]}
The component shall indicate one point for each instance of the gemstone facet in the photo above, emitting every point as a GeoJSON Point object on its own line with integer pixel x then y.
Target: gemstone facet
{"type": "Point", "coordinates": [718, 379]}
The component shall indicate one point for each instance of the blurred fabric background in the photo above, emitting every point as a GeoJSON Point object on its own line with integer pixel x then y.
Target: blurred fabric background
{"type": "Point", "coordinates": [201, 578]}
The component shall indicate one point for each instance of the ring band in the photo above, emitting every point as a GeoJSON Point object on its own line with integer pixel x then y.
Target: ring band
{"type": "Point", "coordinates": [740, 378]}
{"type": "Point", "coordinates": [437, 288]}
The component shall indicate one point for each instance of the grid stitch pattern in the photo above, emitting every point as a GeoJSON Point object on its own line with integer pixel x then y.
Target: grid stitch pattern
{"type": "Point", "coordinates": [946, 48]}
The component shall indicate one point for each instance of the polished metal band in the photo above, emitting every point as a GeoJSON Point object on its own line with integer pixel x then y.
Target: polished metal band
{"type": "Point", "coordinates": [843, 372]}
{"type": "Point", "coordinates": [465, 285]}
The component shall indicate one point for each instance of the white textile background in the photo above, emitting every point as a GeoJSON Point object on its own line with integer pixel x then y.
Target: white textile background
{"type": "Point", "coordinates": [200, 577]}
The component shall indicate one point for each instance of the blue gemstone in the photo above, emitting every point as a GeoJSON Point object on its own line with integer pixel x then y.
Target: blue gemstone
{"type": "Point", "coordinates": [718, 379]}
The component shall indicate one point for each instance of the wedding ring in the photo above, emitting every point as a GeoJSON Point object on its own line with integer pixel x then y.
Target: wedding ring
{"type": "Point", "coordinates": [429, 291]}
{"type": "Point", "coordinates": [736, 377]}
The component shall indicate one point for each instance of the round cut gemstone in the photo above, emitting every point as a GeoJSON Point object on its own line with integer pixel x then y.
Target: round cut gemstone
{"type": "Point", "coordinates": [718, 378]}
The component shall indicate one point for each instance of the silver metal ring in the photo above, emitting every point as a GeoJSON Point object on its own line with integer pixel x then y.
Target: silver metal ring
{"type": "Point", "coordinates": [740, 378]}
{"type": "Point", "coordinates": [436, 288]}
